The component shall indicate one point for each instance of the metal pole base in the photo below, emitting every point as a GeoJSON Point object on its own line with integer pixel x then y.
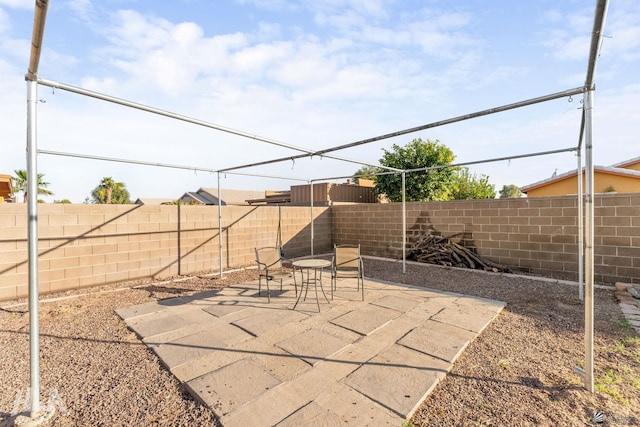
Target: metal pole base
{"type": "Point", "coordinates": [41, 418]}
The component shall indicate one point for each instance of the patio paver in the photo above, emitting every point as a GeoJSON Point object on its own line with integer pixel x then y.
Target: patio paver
{"type": "Point", "coordinates": [356, 362]}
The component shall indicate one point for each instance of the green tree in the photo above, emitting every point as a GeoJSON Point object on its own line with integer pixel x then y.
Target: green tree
{"type": "Point", "coordinates": [20, 184]}
{"type": "Point", "coordinates": [110, 192]}
{"type": "Point", "coordinates": [510, 191]}
{"type": "Point", "coordinates": [63, 201]}
{"type": "Point", "coordinates": [434, 184]}
{"type": "Point", "coordinates": [471, 186]}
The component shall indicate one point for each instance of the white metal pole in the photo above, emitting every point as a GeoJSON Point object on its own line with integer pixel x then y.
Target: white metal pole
{"type": "Point", "coordinates": [404, 224]}
{"type": "Point", "coordinates": [311, 207]}
{"type": "Point", "coordinates": [589, 239]}
{"type": "Point", "coordinates": [32, 242]}
{"type": "Point", "coordinates": [220, 225]}
{"type": "Point", "coordinates": [580, 230]}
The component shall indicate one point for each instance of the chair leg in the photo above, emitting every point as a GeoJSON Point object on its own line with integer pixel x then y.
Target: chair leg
{"type": "Point", "coordinates": [295, 283]}
{"type": "Point", "coordinates": [268, 292]}
{"type": "Point", "coordinates": [332, 285]}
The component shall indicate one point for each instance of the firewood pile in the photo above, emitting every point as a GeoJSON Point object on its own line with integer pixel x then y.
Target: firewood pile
{"type": "Point", "coordinates": [441, 250]}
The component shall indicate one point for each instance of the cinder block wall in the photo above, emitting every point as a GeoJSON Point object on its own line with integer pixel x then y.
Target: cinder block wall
{"type": "Point", "coordinates": [539, 235]}
{"type": "Point", "coordinates": [88, 245]}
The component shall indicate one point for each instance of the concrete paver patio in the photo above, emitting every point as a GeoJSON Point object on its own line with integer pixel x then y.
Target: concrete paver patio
{"type": "Point", "coordinates": [355, 362]}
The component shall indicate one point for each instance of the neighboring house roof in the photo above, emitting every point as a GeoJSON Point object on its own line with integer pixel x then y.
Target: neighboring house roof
{"type": "Point", "coordinates": [231, 197]}
{"type": "Point", "coordinates": [194, 197]}
{"type": "Point", "coordinates": [602, 169]}
{"type": "Point", "coordinates": [209, 196]}
{"type": "Point", "coordinates": [629, 164]}
{"type": "Point", "coordinates": [6, 190]}
{"type": "Point", "coordinates": [153, 201]}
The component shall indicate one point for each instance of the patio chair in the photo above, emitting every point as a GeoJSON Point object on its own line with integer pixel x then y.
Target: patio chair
{"type": "Point", "coordinates": [347, 263]}
{"type": "Point", "coordinates": [270, 268]}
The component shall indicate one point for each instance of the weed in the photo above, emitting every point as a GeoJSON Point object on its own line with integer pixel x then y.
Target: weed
{"type": "Point", "coordinates": [607, 384]}
{"type": "Point", "coordinates": [629, 346]}
{"type": "Point", "coordinates": [504, 364]}
{"type": "Point", "coordinates": [624, 323]}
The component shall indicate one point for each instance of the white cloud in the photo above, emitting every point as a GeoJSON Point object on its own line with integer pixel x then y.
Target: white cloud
{"type": "Point", "coordinates": [18, 4]}
{"type": "Point", "coordinates": [5, 23]}
{"type": "Point", "coordinates": [133, 33]}
{"type": "Point", "coordinates": [83, 9]}
{"type": "Point", "coordinates": [345, 21]}
{"type": "Point", "coordinates": [623, 41]}
{"type": "Point", "coordinates": [271, 4]}
{"type": "Point", "coordinates": [363, 68]}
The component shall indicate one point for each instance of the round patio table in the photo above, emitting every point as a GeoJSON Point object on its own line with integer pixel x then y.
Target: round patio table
{"type": "Point", "coordinates": [313, 268]}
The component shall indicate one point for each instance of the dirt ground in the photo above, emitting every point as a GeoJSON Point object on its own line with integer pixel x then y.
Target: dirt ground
{"type": "Point", "coordinates": [518, 372]}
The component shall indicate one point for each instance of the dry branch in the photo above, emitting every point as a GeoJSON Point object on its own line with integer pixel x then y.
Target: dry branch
{"type": "Point", "coordinates": [441, 250]}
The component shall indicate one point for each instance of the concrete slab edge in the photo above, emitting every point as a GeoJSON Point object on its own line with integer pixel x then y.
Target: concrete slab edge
{"type": "Point", "coordinates": [629, 305]}
{"type": "Point", "coordinates": [522, 276]}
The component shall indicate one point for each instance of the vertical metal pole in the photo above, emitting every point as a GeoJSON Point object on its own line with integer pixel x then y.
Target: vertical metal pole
{"type": "Point", "coordinates": [32, 212]}
{"type": "Point", "coordinates": [311, 205]}
{"type": "Point", "coordinates": [580, 230]}
{"type": "Point", "coordinates": [589, 239]}
{"type": "Point", "coordinates": [404, 225]}
{"type": "Point", "coordinates": [179, 237]}
{"type": "Point", "coordinates": [220, 225]}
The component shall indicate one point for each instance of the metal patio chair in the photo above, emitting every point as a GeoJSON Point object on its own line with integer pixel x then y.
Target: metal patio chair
{"type": "Point", "coordinates": [270, 268]}
{"type": "Point", "coordinates": [347, 263]}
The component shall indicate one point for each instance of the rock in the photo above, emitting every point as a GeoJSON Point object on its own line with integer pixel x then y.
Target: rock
{"type": "Point", "coordinates": [622, 286]}
{"type": "Point", "coordinates": [635, 292]}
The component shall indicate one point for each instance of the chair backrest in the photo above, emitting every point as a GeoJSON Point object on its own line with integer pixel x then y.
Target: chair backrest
{"type": "Point", "coordinates": [346, 256]}
{"type": "Point", "coordinates": [269, 257]}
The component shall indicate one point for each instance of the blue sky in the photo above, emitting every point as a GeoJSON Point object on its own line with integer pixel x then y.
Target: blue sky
{"type": "Point", "coordinates": [312, 74]}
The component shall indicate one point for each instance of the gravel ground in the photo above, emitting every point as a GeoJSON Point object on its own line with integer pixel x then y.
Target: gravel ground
{"type": "Point", "coordinates": [517, 372]}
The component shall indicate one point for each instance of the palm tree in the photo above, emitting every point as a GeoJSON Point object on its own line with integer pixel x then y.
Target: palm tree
{"type": "Point", "coordinates": [107, 185]}
{"type": "Point", "coordinates": [110, 192]}
{"type": "Point", "coordinates": [20, 184]}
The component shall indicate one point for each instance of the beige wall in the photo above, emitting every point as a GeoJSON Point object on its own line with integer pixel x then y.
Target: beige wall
{"type": "Point", "coordinates": [602, 182]}
{"type": "Point", "coordinates": [88, 245]}
{"type": "Point", "coordinates": [533, 234]}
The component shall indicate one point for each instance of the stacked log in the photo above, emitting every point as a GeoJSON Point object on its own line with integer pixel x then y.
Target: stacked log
{"type": "Point", "coordinates": [441, 250]}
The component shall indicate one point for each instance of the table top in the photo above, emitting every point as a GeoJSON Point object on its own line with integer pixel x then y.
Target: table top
{"type": "Point", "coordinates": [312, 263]}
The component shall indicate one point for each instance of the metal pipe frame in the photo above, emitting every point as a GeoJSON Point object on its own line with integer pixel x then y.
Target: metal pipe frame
{"type": "Point", "coordinates": [404, 224]}
{"type": "Point", "coordinates": [312, 221]}
{"type": "Point", "coordinates": [141, 107]}
{"type": "Point", "coordinates": [38, 33]}
{"type": "Point", "coordinates": [32, 237]}
{"type": "Point", "coordinates": [496, 159]}
{"type": "Point", "coordinates": [580, 205]}
{"type": "Point", "coordinates": [40, 18]}
{"type": "Point", "coordinates": [589, 228]}
{"type": "Point", "coordinates": [220, 245]}
{"type": "Point", "coordinates": [162, 165]}
{"type": "Point", "coordinates": [600, 15]}
{"type": "Point", "coordinates": [137, 106]}
{"type": "Point", "coordinates": [489, 111]}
